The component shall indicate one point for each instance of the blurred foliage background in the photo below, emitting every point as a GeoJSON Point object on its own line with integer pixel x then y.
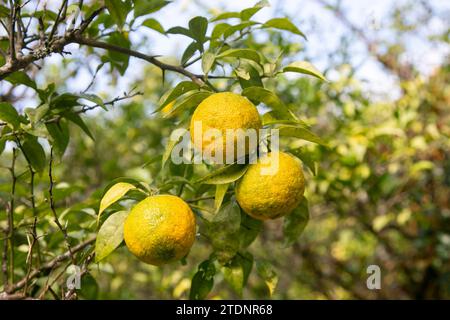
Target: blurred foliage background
{"type": "Point", "coordinates": [380, 194]}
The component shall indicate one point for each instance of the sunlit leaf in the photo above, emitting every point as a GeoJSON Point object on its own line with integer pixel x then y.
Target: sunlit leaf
{"type": "Point", "coordinates": [268, 274]}
{"type": "Point", "coordinates": [115, 193]}
{"type": "Point", "coordinates": [283, 24]}
{"type": "Point", "coordinates": [304, 67]}
{"type": "Point", "coordinates": [110, 235]}
{"type": "Point", "coordinates": [227, 174]}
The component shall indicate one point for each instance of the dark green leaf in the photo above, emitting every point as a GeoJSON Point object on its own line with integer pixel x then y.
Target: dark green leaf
{"type": "Point", "coordinates": [75, 118]}
{"type": "Point", "coordinates": [143, 7]}
{"type": "Point", "coordinates": [249, 230]}
{"type": "Point", "coordinates": [154, 24]}
{"type": "Point", "coordinates": [203, 281]}
{"type": "Point", "coordinates": [20, 77]}
{"type": "Point", "coordinates": [198, 27]}
{"type": "Point", "coordinates": [295, 223]}
{"type": "Point", "coordinates": [283, 24]}
{"type": "Point", "coordinates": [93, 98]}
{"type": "Point", "coordinates": [119, 60]}
{"type": "Point", "coordinates": [34, 153]}
{"type": "Point", "coordinates": [189, 52]}
{"type": "Point", "coordinates": [118, 10]}
{"type": "Point", "coordinates": [180, 30]}
{"type": "Point", "coordinates": [9, 114]}
{"type": "Point", "coordinates": [59, 133]}
{"type": "Point", "coordinates": [88, 287]}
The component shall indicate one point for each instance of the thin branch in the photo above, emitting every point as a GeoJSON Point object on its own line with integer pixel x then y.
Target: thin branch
{"type": "Point", "coordinates": [151, 59]}
{"type": "Point", "coordinates": [57, 21]}
{"type": "Point", "coordinates": [86, 108]}
{"type": "Point", "coordinates": [51, 264]}
{"type": "Point", "coordinates": [53, 209]}
{"type": "Point", "coordinates": [11, 217]}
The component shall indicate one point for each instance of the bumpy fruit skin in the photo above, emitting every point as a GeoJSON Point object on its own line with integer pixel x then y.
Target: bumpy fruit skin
{"type": "Point", "coordinates": [269, 196]}
{"type": "Point", "coordinates": [160, 229]}
{"type": "Point", "coordinates": [224, 110]}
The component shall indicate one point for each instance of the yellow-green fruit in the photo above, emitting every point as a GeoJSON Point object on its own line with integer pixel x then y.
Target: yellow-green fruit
{"type": "Point", "coordinates": [222, 111]}
{"type": "Point", "coordinates": [269, 190]}
{"type": "Point", "coordinates": [160, 229]}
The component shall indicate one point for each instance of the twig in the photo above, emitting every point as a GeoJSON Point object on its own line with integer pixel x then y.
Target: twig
{"type": "Point", "coordinates": [11, 218]}
{"type": "Point", "coordinates": [53, 209]}
{"type": "Point", "coordinates": [151, 59]}
{"type": "Point", "coordinates": [86, 108]}
{"type": "Point", "coordinates": [51, 264]}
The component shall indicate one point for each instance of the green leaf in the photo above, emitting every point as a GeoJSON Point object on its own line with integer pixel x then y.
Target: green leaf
{"type": "Point", "coordinates": [208, 61]}
{"type": "Point", "coordinates": [198, 27]}
{"type": "Point", "coordinates": [268, 274]}
{"type": "Point", "coordinates": [246, 14]}
{"type": "Point", "coordinates": [93, 98]}
{"type": "Point", "coordinates": [75, 118]}
{"type": "Point", "coordinates": [189, 52]}
{"type": "Point", "coordinates": [88, 287]}
{"type": "Point", "coordinates": [252, 79]}
{"type": "Point", "coordinates": [180, 30]}
{"type": "Point", "coordinates": [148, 6]}
{"type": "Point", "coordinates": [154, 24]}
{"type": "Point", "coordinates": [305, 68]}
{"type": "Point", "coordinates": [238, 27]}
{"type": "Point", "coordinates": [36, 114]}
{"type": "Point", "coordinates": [180, 89]}
{"type": "Point", "coordinates": [20, 77]}
{"type": "Point", "coordinates": [119, 60]}
{"type": "Point", "coordinates": [269, 119]}
{"type": "Point", "coordinates": [248, 230]}
{"type": "Point", "coordinates": [9, 114]}
{"type": "Point", "coordinates": [110, 235]}
{"type": "Point", "coordinates": [113, 194]}
{"type": "Point", "coordinates": [249, 54]}
{"type": "Point", "coordinates": [233, 274]}
{"type": "Point", "coordinates": [227, 174]}
{"type": "Point", "coordinates": [306, 158]}
{"type": "Point", "coordinates": [191, 101]}
{"type": "Point", "coordinates": [168, 151]}
{"type": "Point", "coordinates": [223, 231]}
{"type": "Point", "coordinates": [219, 29]}
{"type": "Point", "coordinates": [203, 281]}
{"type": "Point", "coordinates": [270, 99]}
{"type": "Point", "coordinates": [34, 153]}
{"type": "Point", "coordinates": [300, 133]}
{"type": "Point", "coordinates": [295, 223]}
{"type": "Point", "coordinates": [221, 190]}
{"type": "Point", "coordinates": [226, 15]}
{"type": "Point", "coordinates": [118, 10]}
{"type": "Point", "coordinates": [283, 24]}
{"type": "Point", "coordinates": [59, 133]}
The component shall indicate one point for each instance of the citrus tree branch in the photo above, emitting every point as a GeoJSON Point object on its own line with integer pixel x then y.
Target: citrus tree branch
{"type": "Point", "coordinates": [151, 59]}
{"type": "Point", "coordinates": [51, 264]}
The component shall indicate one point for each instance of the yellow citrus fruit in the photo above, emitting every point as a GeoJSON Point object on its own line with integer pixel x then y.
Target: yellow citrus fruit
{"type": "Point", "coordinates": [222, 111]}
{"type": "Point", "coordinates": [160, 229]}
{"type": "Point", "coordinates": [272, 187]}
